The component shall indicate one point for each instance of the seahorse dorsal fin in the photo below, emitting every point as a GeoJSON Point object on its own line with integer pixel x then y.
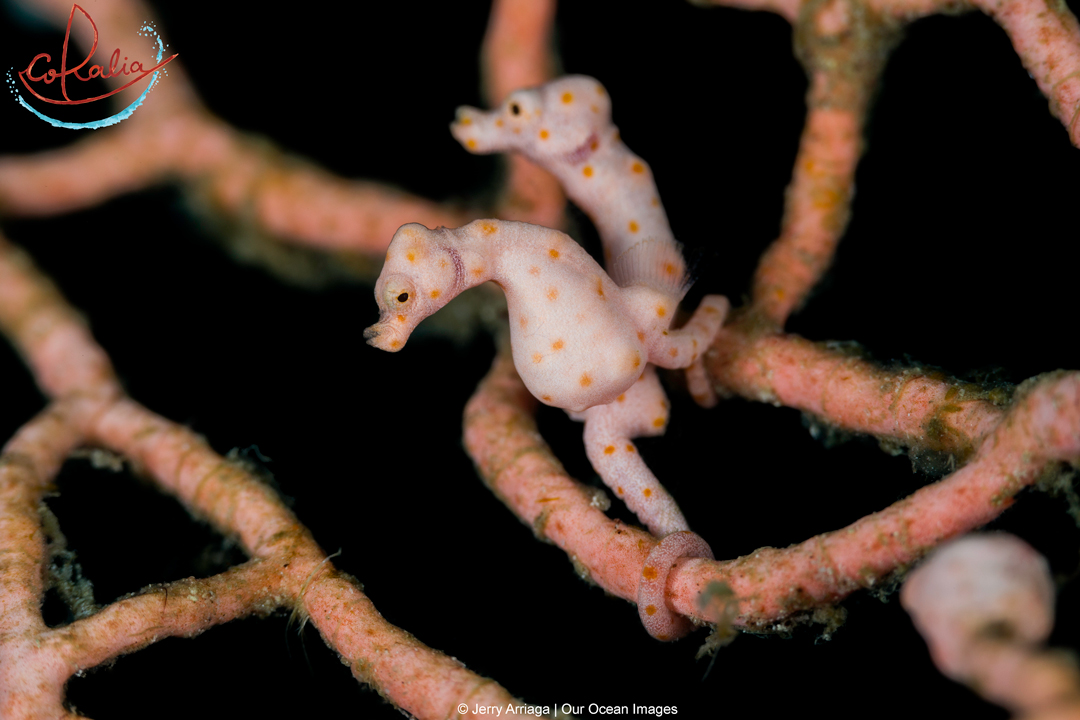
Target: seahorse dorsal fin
{"type": "Point", "coordinates": [657, 264]}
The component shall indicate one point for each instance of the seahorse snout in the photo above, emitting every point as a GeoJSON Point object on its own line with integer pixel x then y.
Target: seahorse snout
{"type": "Point", "coordinates": [382, 337]}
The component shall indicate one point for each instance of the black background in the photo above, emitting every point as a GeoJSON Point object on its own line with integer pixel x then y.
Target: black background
{"type": "Point", "coordinates": [961, 254]}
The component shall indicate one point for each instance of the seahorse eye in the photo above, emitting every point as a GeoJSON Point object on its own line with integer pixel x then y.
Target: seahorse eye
{"type": "Point", "coordinates": [515, 109]}
{"type": "Point", "coordinates": [403, 297]}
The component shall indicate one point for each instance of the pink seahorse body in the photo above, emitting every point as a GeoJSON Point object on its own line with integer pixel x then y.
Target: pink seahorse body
{"type": "Point", "coordinates": [579, 340]}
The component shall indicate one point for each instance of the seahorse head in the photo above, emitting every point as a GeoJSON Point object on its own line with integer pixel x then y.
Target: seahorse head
{"type": "Point", "coordinates": [420, 275]}
{"type": "Point", "coordinates": [566, 118]}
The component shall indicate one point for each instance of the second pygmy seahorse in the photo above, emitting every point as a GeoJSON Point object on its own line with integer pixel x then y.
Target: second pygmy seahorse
{"type": "Point", "coordinates": [565, 127]}
{"type": "Point", "coordinates": [578, 338]}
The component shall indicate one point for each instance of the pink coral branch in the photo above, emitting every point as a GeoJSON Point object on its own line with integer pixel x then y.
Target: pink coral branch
{"type": "Point", "coordinates": [51, 336]}
{"type": "Point", "coordinates": [816, 213]}
{"type": "Point", "coordinates": [1041, 429]}
{"type": "Point", "coordinates": [842, 49]}
{"type": "Point", "coordinates": [183, 608]}
{"type": "Point", "coordinates": [909, 407]}
{"type": "Point", "coordinates": [408, 673]}
{"type": "Point", "coordinates": [515, 462]}
{"type": "Point", "coordinates": [238, 175]}
{"type": "Point", "coordinates": [842, 45]}
{"type": "Point", "coordinates": [517, 53]}
{"type": "Point", "coordinates": [30, 679]}
{"type": "Point", "coordinates": [249, 183]}
{"type": "Point", "coordinates": [289, 569]}
{"type": "Point", "coordinates": [1045, 34]}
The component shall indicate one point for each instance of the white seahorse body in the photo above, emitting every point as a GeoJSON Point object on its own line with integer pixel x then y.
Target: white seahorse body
{"type": "Point", "coordinates": [579, 340]}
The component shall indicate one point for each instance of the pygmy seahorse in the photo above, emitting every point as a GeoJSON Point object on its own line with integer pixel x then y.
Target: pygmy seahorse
{"type": "Point", "coordinates": [578, 338]}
